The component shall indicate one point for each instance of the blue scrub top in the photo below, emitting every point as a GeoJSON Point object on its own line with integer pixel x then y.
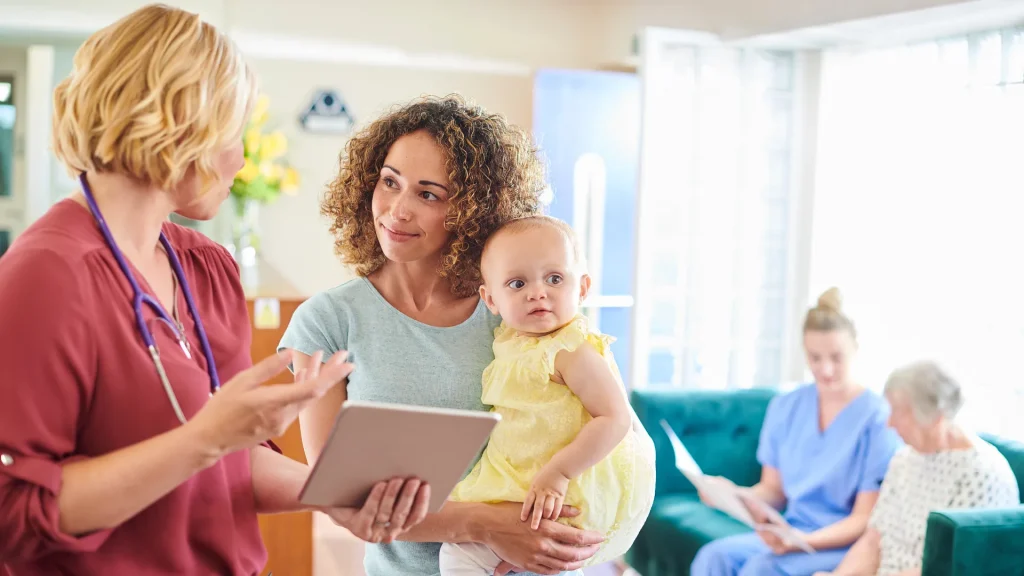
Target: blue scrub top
{"type": "Point", "coordinates": [823, 472]}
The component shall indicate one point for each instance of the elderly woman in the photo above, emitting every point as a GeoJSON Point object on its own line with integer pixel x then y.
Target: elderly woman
{"type": "Point", "coordinates": [943, 466]}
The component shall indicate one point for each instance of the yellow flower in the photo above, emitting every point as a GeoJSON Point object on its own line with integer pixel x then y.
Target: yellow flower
{"type": "Point", "coordinates": [252, 141]}
{"type": "Point", "coordinates": [273, 146]}
{"type": "Point", "coordinates": [260, 111]}
{"type": "Point", "coordinates": [290, 183]}
{"type": "Point", "coordinates": [248, 172]}
{"type": "Point", "coordinates": [271, 172]}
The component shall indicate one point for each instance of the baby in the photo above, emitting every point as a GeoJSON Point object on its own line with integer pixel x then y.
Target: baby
{"type": "Point", "coordinates": [568, 434]}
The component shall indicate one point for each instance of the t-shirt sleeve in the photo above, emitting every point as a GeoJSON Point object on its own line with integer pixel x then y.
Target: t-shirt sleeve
{"type": "Point", "coordinates": [771, 430]}
{"type": "Point", "coordinates": [49, 357]}
{"type": "Point", "coordinates": [882, 444]}
{"type": "Point", "coordinates": [317, 324]}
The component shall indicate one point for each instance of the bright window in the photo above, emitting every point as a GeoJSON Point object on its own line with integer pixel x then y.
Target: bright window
{"type": "Point", "coordinates": [919, 211]}
{"type": "Point", "coordinates": [713, 258]}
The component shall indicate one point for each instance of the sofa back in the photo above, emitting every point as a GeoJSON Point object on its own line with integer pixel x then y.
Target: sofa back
{"type": "Point", "coordinates": [1014, 453]}
{"type": "Point", "coordinates": [719, 428]}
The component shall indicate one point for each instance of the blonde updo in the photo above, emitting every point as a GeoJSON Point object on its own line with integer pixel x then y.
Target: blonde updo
{"type": "Point", "coordinates": [828, 315]}
{"type": "Point", "coordinates": [150, 96]}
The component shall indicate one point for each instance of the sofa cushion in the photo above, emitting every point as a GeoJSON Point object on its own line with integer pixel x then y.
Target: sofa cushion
{"type": "Point", "coordinates": [719, 428]}
{"type": "Point", "coordinates": [676, 528]}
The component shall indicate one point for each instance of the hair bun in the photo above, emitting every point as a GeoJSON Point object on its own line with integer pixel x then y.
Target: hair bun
{"type": "Point", "coordinates": [831, 299]}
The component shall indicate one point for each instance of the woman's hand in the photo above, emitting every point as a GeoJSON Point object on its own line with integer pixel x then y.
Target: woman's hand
{"type": "Point", "coordinates": [545, 498]}
{"type": "Point", "coordinates": [245, 413]}
{"type": "Point", "coordinates": [391, 509]}
{"type": "Point", "coordinates": [779, 545]}
{"type": "Point", "coordinates": [551, 549]}
{"type": "Point", "coordinates": [725, 482]}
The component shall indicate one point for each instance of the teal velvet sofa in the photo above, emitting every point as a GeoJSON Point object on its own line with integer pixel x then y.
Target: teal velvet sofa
{"type": "Point", "coordinates": [721, 430]}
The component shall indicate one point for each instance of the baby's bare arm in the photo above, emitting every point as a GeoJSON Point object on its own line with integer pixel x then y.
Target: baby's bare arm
{"type": "Point", "coordinates": [587, 374]}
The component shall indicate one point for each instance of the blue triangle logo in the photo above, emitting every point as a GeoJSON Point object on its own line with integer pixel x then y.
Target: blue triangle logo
{"type": "Point", "coordinates": [327, 114]}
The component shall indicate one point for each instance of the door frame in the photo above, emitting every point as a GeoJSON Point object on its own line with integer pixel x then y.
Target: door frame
{"type": "Point", "coordinates": [14, 65]}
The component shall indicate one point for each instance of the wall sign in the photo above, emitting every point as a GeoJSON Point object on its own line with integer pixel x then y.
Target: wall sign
{"type": "Point", "coordinates": [327, 114]}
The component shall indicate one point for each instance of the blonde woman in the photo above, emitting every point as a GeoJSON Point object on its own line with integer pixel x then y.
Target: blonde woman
{"type": "Point", "coordinates": [824, 450]}
{"type": "Point", "coordinates": [943, 466]}
{"type": "Point", "coordinates": [121, 451]}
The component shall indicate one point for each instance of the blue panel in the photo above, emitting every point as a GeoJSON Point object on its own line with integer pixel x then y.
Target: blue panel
{"type": "Point", "coordinates": [579, 112]}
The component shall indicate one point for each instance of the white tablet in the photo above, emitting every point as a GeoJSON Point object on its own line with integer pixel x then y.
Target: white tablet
{"type": "Point", "coordinates": [374, 441]}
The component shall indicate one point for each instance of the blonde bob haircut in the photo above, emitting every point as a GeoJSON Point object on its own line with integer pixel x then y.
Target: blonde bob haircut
{"type": "Point", "coordinates": [151, 96]}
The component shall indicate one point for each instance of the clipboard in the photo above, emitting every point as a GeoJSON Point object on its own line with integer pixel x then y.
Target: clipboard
{"type": "Point", "coordinates": [735, 501]}
{"type": "Point", "coordinates": [376, 441]}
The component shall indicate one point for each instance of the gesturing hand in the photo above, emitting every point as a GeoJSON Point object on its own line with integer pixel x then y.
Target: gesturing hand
{"type": "Point", "coordinates": [545, 498]}
{"type": "Point", "coordinates": [244, 413]}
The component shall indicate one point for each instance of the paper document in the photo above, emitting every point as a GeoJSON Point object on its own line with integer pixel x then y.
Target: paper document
{"type": "Point", "coordinates": [735, 501]}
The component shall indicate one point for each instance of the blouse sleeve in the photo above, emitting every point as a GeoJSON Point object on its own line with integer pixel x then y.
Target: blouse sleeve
{"type": "Point", "coordinates": [49, 360]}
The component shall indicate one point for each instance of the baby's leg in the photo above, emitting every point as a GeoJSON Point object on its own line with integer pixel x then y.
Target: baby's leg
{"type": "Point", "coordinates": [468, 560]}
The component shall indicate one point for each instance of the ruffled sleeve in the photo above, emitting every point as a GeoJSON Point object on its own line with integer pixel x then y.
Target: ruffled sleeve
{"type": "Point", "coordinates": [571, 337]}
{"type": "Point", "coordinates": [49, 357]}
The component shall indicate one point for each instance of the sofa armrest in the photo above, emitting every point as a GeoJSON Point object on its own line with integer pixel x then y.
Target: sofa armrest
{"type": "Point", "coordinates": [974, 542]}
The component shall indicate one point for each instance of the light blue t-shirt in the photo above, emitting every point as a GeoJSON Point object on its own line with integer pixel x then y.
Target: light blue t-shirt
{"type": "Point", "coordinates": [399, 360]}
{"type": "Point", "coordinates": [823, 472]}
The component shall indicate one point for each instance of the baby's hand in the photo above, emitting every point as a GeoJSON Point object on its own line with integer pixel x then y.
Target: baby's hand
{"type": "Point", "coordinates": [545, 497]}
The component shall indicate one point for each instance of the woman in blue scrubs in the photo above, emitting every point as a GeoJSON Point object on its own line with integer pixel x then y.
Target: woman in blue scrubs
{"type": "Point", "coordinates": [824, 450]}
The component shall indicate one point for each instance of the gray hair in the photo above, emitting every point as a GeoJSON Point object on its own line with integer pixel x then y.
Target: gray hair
{"type": "Point", "coordinates": [929, 389]}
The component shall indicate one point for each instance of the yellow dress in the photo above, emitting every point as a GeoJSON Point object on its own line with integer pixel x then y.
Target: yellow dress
{"type": "Point", "coordinates": [539, 418]}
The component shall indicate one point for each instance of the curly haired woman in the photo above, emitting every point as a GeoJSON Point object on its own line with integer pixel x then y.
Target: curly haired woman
{"type": "Point", "coordinates": [418, 192]}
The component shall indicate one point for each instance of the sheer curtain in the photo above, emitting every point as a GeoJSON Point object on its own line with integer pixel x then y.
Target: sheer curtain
{"type": "Point", "coordinates": [919, 211]}
{"type": "Point", "coordinates": [713, 247]}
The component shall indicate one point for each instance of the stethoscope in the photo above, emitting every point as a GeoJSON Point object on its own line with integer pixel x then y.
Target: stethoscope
{"type": "Point", "coordinates": [139, 298]}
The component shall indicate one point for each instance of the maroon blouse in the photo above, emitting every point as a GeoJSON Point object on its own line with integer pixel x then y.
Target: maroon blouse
{"type": "Point", "coordinates": [77, 382]}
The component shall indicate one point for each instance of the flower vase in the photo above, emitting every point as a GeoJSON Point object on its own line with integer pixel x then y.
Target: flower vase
{"type": "Point", "coordinates": [245, 239]}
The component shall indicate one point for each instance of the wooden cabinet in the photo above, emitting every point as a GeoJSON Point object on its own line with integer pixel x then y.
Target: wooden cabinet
{"type": "Point", "coordinates": [287, 537]}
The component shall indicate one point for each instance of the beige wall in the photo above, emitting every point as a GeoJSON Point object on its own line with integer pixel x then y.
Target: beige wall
{"type": "Point", "coordinates": [296, 240]}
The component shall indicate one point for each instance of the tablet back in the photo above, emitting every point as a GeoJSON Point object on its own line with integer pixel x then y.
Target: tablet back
{"type": "Point", "coordinates": [374, 441]}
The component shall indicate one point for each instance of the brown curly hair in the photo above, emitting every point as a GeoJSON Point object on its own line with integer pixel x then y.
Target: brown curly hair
{"type": "Point", "coordinates": [494, 172]}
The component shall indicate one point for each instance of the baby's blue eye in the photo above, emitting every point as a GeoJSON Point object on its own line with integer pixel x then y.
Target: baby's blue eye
{"type": "Point", "coordinates": [516, 284]}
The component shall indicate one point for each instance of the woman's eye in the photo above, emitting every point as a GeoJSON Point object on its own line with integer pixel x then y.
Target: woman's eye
{"type": "Point", "coordinates": [390, 182]}
{"type": "Point", "coordinates": [429, 196]}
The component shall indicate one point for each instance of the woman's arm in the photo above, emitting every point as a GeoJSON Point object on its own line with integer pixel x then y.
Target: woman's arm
{"type": "Point", "coordinates": [316, 422]}
{"type": "Point", "coordinates": [551, 549]}
{"type": "Point", "coordinates": [847, 530]}
{"type": "Point", "coordinates": [102, 492]}
{"type": "Point", "coordinates": [863, 558]}
{"type": "Point", "coordinates": [769, 488]}
{"type": "Point", "coordinates": [276, 481]}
